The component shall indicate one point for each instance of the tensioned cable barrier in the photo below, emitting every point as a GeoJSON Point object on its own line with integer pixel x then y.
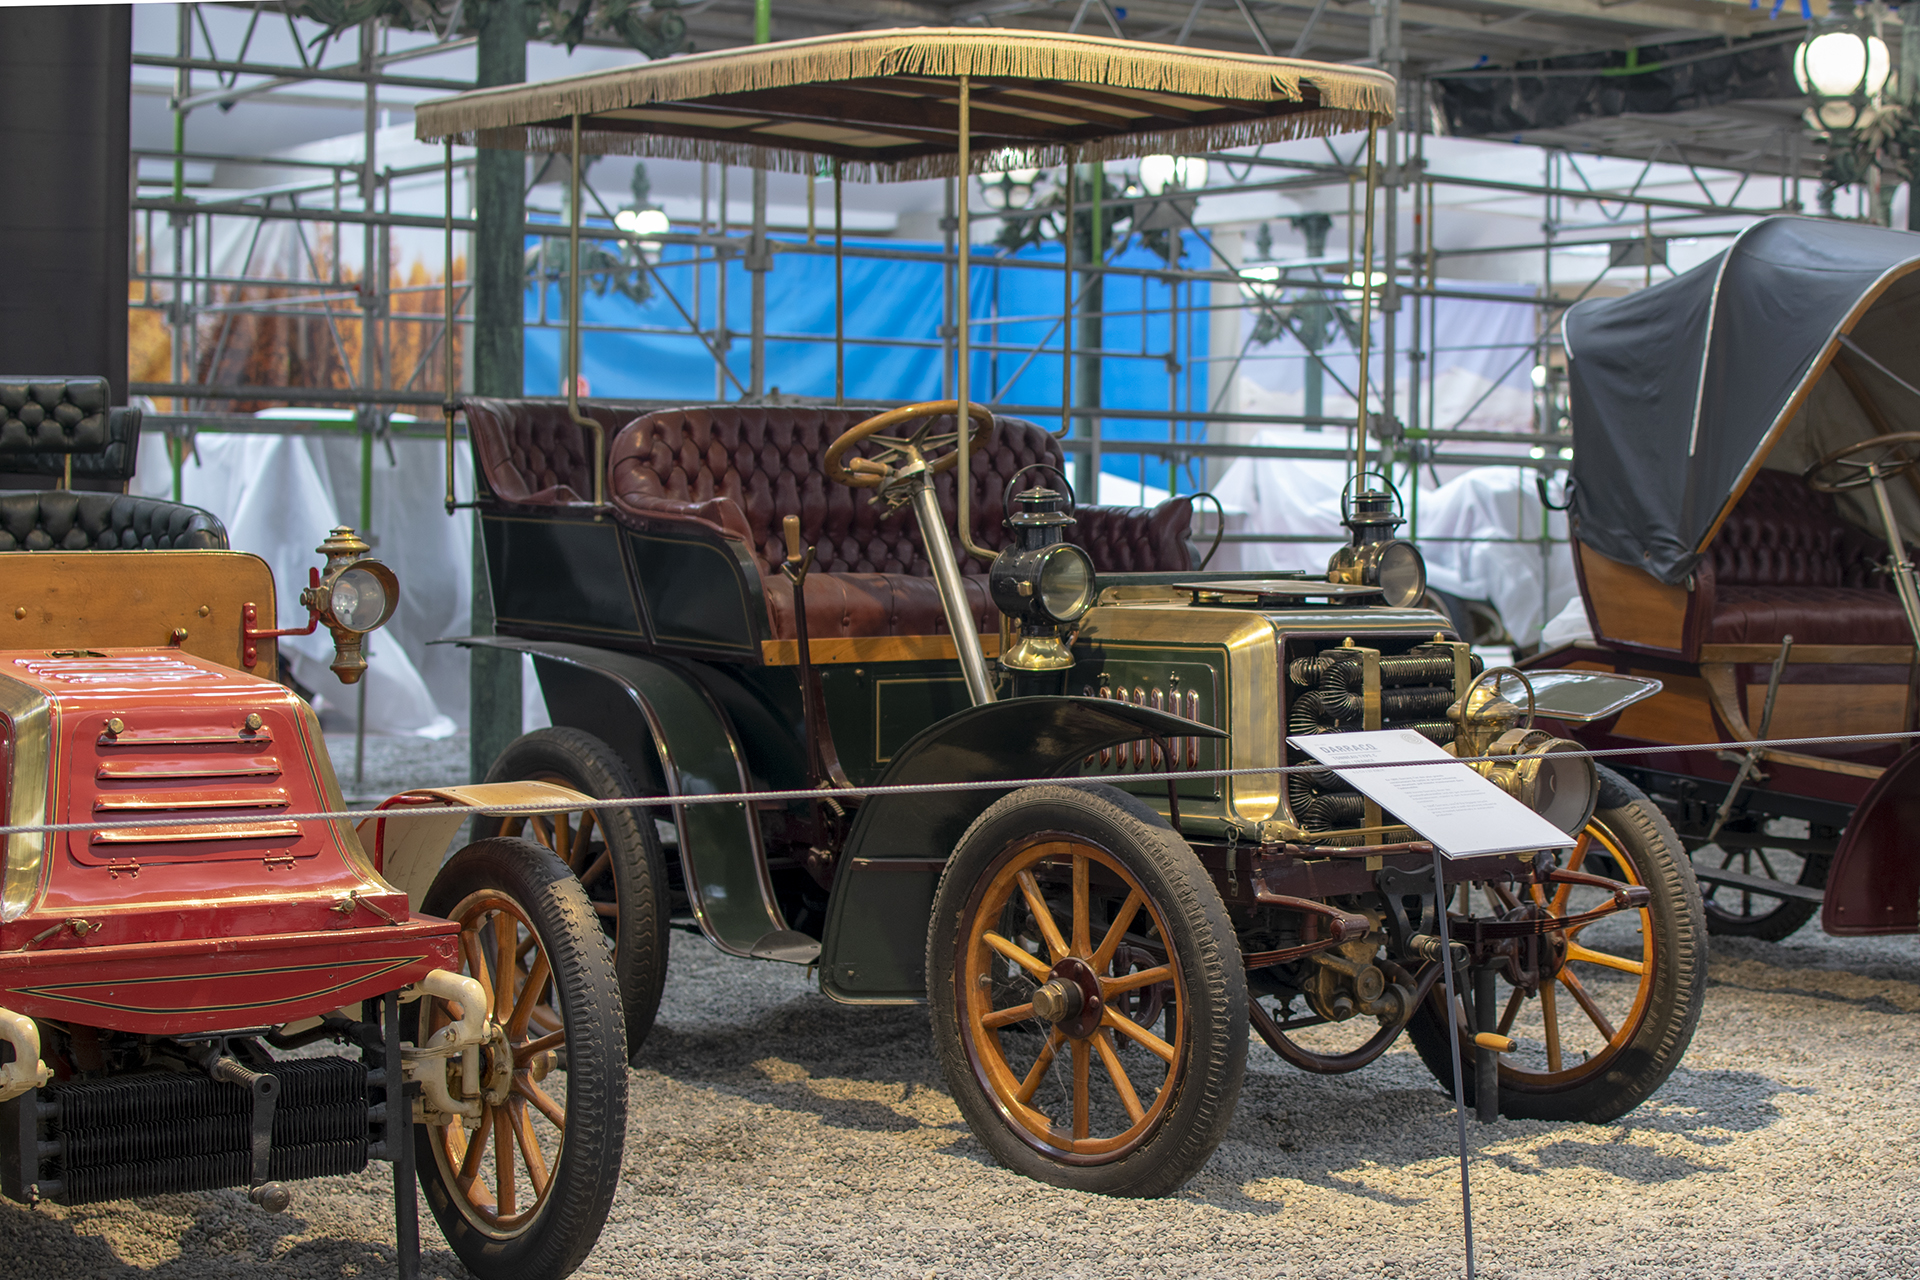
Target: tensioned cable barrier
{"type": "Point", "coordinates": [1010, 784]}
{"type": "Point", "coordinates": [928, 788]}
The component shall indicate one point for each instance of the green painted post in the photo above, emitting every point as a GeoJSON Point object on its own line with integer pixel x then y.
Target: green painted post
{"type": "Point", "coordinates": [762, 21]}
{"type": "Point", "coordinates": [499, 292]}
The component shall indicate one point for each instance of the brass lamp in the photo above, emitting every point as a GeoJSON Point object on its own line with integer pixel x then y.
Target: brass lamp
{"type": "Point", "coordinates": [355, 594]}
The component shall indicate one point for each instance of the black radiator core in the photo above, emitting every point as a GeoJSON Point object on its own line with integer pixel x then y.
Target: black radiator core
{"type": "Point", "coordinates": [160, 1131]}
{"type": "Point", "coordinates": [1326, 694]}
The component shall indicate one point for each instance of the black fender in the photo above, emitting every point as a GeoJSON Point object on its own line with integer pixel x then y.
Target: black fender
{"type": "Point", "coordinates": [874, 951]}
{"type": "Point", "coordinates": [676, 739]}
{"type": "Point", "coordinates": [1874, 884]}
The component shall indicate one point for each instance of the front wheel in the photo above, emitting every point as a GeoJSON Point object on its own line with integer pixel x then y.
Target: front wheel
{"type": "Point", "coordinates": [1089, 1004]}
{"type": "Point", "coordinates": [1602, 1011]}
{"type": "Point", "coordinates": [522, 1192]}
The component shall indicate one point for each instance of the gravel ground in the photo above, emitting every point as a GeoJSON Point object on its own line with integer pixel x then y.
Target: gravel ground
{"type": "Point", "coordinates": [774, 1133]}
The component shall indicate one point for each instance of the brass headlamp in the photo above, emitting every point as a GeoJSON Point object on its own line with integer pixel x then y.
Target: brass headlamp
{"type": "Point", "coordinates": [1042, 582]}
{"type": "Point", "coordinates": [1534, 767]}
{"type": "Point", "coordinates": [1374, 557]}
{"type": "Point", "coordinates": [353, 595]}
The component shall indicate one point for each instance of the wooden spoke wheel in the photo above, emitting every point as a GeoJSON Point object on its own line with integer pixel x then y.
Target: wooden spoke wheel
{"type": "Point", "coordinates": [1089, 1005]}
{"type": "Point", "coordinates": [1603, 1010]}
{"type": "Point", "coordinates": [614, 853]}
{"type": "Point", "coordinates": [519, 1191]}
{"type": "Point", "coordinates": [1741, 911]}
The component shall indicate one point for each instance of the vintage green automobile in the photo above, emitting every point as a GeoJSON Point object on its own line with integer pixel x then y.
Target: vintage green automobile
{"type": "Point", "coordinates": [715, 607]}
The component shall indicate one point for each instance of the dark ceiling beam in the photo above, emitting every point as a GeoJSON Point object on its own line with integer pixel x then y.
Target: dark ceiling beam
{"type": "Point", "coordinates": [1663, 15]}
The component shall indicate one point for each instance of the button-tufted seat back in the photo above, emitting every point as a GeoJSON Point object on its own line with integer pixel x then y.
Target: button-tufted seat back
{"type": "Point", "coordinates": [741, 469]}
{"type": "Point", "coordinates": [533, 452]}
{"type": "Point", "coordinates": [1785, 563]}
{"type": "Point", "coordinates": [48, 423]}
{"type": "Point", "coordinates": [58, 521]}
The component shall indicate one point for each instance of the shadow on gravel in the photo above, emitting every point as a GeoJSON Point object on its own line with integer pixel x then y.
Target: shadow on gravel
{"type": "Point", "coordinates": [874, 1070]}
{"type": "Point", "coordinates": [810, 1055]}
{"type": "Point", "coordinates": [221, 1236]}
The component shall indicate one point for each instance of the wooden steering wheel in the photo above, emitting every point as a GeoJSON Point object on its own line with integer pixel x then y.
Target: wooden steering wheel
{"type": "Point", "coordinates": [1899, 453]}
{"type": "Point", "coordinates": [871, 473]}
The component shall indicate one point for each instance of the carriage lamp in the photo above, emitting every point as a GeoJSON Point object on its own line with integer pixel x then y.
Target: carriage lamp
{"type": "Point", "coordinates": [1551, 776]}
{"type": "Point", "coordinates": [355, 594]}
{"type": "Point", "coordinates": [1373, 556]}
{"type": "Point", "coordinates": [352, 595]}
{"type": "Point", "coordinates": [1843, 69]}
{"type": "Point", "coordinates": [1042, 581]}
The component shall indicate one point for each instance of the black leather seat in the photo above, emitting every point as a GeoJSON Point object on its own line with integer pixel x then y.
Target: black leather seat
{"type": "Point", "coordinates": [65, 430]}
{"type": "Point", "coordinates": [54, 520]}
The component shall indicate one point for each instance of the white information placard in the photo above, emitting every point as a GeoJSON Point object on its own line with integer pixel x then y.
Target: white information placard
{"type": "Point", "coordinates": [1445, 801]}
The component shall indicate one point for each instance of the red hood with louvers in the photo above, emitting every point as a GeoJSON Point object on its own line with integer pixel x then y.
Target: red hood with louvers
{"type": "Point", "coordinates": [235, 921]}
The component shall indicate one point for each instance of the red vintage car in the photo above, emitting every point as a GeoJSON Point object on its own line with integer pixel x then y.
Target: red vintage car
{"type": "Point", "coordinates": [176, 923]}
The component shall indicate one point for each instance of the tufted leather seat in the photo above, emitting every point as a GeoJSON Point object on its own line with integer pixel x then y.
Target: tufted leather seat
{"type": "Point", "coordinates": [49, 426]}
{"type": "Point", "coordinates": [1785, 563]}
{"type": "Point", "coordinates": [54, 520]}
{"type": "Point", "coordinates": [739, 470]}
{"type": "Point", "coordinates": [532, 451]}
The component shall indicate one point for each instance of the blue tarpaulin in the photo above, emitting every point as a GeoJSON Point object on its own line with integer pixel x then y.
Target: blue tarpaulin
{"type": "Point", "coordinates": [644, 350]}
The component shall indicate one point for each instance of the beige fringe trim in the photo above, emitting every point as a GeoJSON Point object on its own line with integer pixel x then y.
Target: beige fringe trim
{"type": "Point", "coordinates": [941, 164]}
{"type": "Point", "coordinates": [1349, 96]}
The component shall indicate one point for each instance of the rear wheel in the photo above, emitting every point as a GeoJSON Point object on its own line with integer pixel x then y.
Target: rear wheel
{"type": "Point", "coordinates": [1745, 911]}
{"type": "Point", "coordinates": [1089, 1005]}
{"type": "Point", "coordinates": [522, 1192]}
{"type": "Point", "coordinates": [1603, 1011]}
{"type": "Point", "coordinates": [614, 853]}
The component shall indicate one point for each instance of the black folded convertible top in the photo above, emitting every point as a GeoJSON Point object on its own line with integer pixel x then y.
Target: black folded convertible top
{"type": "Point", "coordinates": [1680, 390]}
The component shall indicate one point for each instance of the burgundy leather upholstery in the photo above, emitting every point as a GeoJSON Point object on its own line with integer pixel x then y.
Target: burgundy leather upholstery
{"type": "Point", "coordinates": [1785, 563]}
{"type": "Point", "coordinates": [533, 452]}
{"type": "Point", "coordinates": [740, 469]}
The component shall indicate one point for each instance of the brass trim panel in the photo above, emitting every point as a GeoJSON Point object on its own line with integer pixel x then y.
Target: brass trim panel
{"type": "Point", "coordinates": [840, 650]}
{"type": "Point", "coordinates": [1249, 695]}
{"type": "Point", "coordinates": [138, 600]}
{"type": "Point", "coordinates": [26, 854]}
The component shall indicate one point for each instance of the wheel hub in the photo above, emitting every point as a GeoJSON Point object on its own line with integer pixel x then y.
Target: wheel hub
{"type": "Point", "coordinates": [496, 1066]}
{"type": "Point", "coordinates": [1070, 998]}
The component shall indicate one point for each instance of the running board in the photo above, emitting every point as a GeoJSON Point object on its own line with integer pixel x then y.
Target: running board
{"type": "Point", "coordinates": [1760, 885]}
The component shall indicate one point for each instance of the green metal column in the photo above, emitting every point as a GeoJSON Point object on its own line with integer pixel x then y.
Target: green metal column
{"type": "Point", "coordinates": [1908, 89]}
{"type": "Point", "coordinates": [499, 288]}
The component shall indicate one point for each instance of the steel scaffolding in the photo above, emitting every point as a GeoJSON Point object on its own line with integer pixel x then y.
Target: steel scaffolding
{"type": "Point", "coordinates": [381, 340]}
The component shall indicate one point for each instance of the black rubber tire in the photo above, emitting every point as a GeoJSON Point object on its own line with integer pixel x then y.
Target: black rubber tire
{"type": "Point", "coordinates": [564, 1229]}
{"type": "Point", "coordinates": [1213, 993]}
{"type": "Point", "coordinates": [1777, 924]}
{"type": "Point", "coordinates": [1679, 982]}
{"type": "Point", "coordinates": [579, 760]}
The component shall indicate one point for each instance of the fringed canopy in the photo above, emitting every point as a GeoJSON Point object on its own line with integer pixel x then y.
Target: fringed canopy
{"type": "Point", "coordinates": [886, 103]}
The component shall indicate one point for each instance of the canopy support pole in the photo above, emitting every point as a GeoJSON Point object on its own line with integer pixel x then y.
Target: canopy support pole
{"type": "Point", "coordinates": [839, 295]}
{"type": "Point", "coordinates": [963, 315]}
{"type": "Point", "coordinates": [593, 428]}
{"type": "Point", "coordinates": [1366, 314]}
{"type": "Point", "coordinates": [1066, 310]}
{"type": "Point", "coordinates": [450, 404]}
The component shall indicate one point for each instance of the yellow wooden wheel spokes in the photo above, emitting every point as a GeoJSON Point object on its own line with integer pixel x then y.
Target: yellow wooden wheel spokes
{"type": "Point", "coordinates": [504, 1159]}
{"type": "Point", "coordinates": [1061, 910]}
{"type": "Point", "coordinates": [1573, 1023]}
